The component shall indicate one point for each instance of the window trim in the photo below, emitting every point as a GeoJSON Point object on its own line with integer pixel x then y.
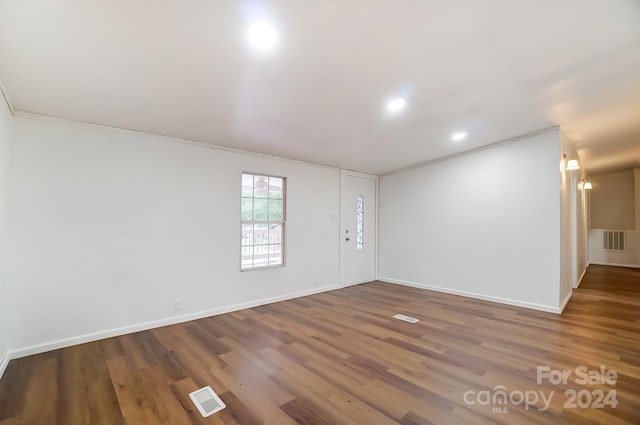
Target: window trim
{"type": "Point", "coordinates": [283, 223]}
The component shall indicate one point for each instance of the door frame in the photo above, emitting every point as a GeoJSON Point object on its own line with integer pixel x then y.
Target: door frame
{"type": "Point", "coordinates": [573, 207]}
{"type": "Point", "coordinates": [349, 173]}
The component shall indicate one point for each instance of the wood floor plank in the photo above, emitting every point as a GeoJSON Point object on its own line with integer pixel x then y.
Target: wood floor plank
{"type": "Point", "coordinates": [136, 405]}
{"type": "Point", "coordinates": [253, 387]}
{"type": "Point", "coordinates": [41, 400]}
{"type": "Point", "coordinates": [340, 358]}
{"type": "Point", "coordinates": [73, 405]}
{"type": "Point", "coordinates": [104, 408]}
{"type": "Point", "coordinates": [303, 413]}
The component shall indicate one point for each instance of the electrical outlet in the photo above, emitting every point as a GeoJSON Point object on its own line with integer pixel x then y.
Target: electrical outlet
{"type": "Point", "coordinates": [177, 304]}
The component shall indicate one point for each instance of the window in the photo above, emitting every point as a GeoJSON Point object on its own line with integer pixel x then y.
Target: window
{"type": "Point", "coordinates": [263, 219]}
{"type": "Point", "coordinates": [359, 223]}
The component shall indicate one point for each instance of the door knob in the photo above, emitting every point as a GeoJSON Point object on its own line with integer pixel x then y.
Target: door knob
{"type": "Point", "coordinates": [347, 239]}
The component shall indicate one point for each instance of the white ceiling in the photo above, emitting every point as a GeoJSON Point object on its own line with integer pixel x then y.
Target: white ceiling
{"type": "Point", "coordinates": [183, 68]}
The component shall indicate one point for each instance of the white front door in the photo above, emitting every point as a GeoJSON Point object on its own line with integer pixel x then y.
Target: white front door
{"type": "Point", "coordinates": [357, 227]}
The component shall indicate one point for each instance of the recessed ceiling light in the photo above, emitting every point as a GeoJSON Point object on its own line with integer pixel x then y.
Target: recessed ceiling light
{"type": "Point", "coordinates": [262, 35]}
{"type": "Point", "coordinates": [459, 136]}
{"type": "Point", "coordinates": [396, 105]}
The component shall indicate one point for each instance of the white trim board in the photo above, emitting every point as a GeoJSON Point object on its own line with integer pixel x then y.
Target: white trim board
{"type": "Point", "coordinates": [630, 266]}
{"type": "Point", "coordinates": [584, 272]}
{"type": "Point", "coordinates": [5, 96]}
{"type": "Point", "coordinates": [4, 362]}
{"type": "Point", "coordinates": [158, 137]}
{"type": "Point", "coordinates": [532, 306]}
{"type": "Point", "coordinates": [67, 342]}
{"type": "Point", "coordinates": [360, 282]}
{"type": "Point", "coordinates": [566, 300]}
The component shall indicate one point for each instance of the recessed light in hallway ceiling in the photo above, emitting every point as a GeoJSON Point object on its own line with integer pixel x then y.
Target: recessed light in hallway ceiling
{"type": "Point", "coordinates": [396, 105]}
{"type": "Point", "coordinates": [461, 135]}
{"type": "Point", "coordinates": [262, 36]}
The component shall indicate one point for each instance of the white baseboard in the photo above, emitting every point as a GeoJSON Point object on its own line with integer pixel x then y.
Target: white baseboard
{"type": "Point", "coordinates": [584, 272]}
{"type": "Point", "coordinates": [360, 282]}
{"type": "Point", "coordinates": [567, 299]}
{"type": "Point", "coordinates": [540, 307]}
{"type": "Point", "coordinates": [632, 266]}
{"type": "Point", "coordinates": [4, 362]}
{"type": "Point", "coordinates": [67, 342]}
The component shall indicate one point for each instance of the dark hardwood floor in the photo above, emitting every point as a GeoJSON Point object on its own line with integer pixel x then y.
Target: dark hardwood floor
{"type": "Point", "coordinates": [339, 358]}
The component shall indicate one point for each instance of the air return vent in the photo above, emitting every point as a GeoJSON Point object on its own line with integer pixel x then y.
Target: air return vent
{"type": "Point", "coordinates": [406, 318]}
{"type": "Point", "coordinates": [613, 240]}
{"type": "Point", "coordinates": [207, 401]}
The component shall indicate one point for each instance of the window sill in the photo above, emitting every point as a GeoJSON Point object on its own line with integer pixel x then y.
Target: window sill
{"type": "Point", "coordinates": [263, 268]}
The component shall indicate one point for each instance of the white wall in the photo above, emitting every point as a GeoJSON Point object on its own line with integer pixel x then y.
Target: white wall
{"type": "Point", "coordinates": [485, 224]}
{"type": "Point", "coordinates": [615, 200]}
{"type": "Point", "coordinates": [5, 121]}
{"type": "Point", "coordinates": [109, 227]}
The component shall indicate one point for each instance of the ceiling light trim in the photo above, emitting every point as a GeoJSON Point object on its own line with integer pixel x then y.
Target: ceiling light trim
{"type": "Point", "coordinates": [262, 36]}
{"type": "Point", "coordinates": [396, 105]}
{"type": "Point", "coordinates": [459, 136]}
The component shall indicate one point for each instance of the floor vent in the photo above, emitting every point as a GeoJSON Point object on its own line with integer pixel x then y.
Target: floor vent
{"type": "Point", "coordinates": [406, 318]}
{"type": "Point", "coordinates": [613, 240]}
{"type": "Point", "coordinates": [207, 401]}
